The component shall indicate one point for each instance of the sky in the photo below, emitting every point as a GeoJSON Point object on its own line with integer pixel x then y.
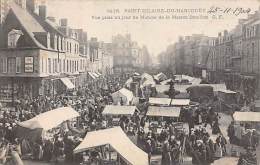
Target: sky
{"type": "Point", "coordinates": [156, 34]}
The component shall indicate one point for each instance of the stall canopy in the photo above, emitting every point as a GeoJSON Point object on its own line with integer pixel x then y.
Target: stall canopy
{"type": "Point", "coordinates": [227, 91]}
{"type": "Point", "coordinates": [136, 74]}
{"type": "Point", "coordinates": [126, 95]}
{"type": "Point", "coordinates": [119, 110]}
{"type": "Point", "coordinates": [166, 82]}
{"type": "Point", "coordinates": [159, 101]}
{"type": "Point", "coordinates": [180, 102]}
{"type": "Point", "coordinates": [66, 81]}
{"type": "Point", "coordinates": [163, 111]}
{"type": "Point", "coordinates": [148, 82]}
{"type": "Point", "coordinates": [162, 88]}
{"type": "Point", "coordinates": [247, 116]}
{"type": "Point", "coordinates": [98, 73]}
{"type": "Point", "coordinates": [117, 139]}
{"type": "Point", "coordinates": [91, 75]}
{"type": "Point", "coordinates": [160, 77]}
{"type": "Point", "coordinates": [50, 119]}
{"type": "Point", "coordinates": [146, 76]}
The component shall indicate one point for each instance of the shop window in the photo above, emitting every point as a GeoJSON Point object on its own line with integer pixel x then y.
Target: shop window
{"type": "Point", "coordinates": [11, 65]}
{"type": "Point", "coordinates": [49, 65]}
{"type": "Point", "coordinates": [1, 65]}
{"type": "Point", "coordinates": [18, 64]}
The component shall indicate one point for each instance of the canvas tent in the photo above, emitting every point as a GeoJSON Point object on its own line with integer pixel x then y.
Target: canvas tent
{"type": "Point", "coordinates": [117, 139]}
{"type": "Point", "coordinates": [126, 95]}
{"type": "Point", "coordinates": [45, 121]}
{"type": "Point", "coordinates": [163, 111]}
{"type": "Point", "coordinates": [146, 76]}
{"type": "Point", "coordinates": [180, 102]}
{"type": "Point", "coordinates": [247, 116]}
{"type": "Point", "coordinates": [160, 77]}
{"type": "Point", "coordinates": [119, 110]}
{"type": "Point", "coordinates": [166, 82]}
{"type": "Point", "coordinates": [159, 101]}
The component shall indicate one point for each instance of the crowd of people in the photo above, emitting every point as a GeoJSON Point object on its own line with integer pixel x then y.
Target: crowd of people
{"type": "Point", "coordinates": [165, 138]}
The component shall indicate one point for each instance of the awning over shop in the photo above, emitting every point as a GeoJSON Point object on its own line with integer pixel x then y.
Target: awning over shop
{"type": "Point", "coordinates": [91, 75]}
{"type": "Point", "coordinates": [95, 74]}
{"type": "Point", "coordinates": [180, 102]}
{"type": "Point", "coordinates": [66, 81]}
{"type": "Point", "coordinates": [50, 119]}
{"type": "Point", "coordinates": [247, 116]}
{"type": "Point", "coordinates": [119, 110]}
{"type": "Point", "coordinates": [118, 140]}
{"type": "Point", "coordinates": [98, 73]}
{"type": "Point", "coordinates": [163, 111]}
{"type": "Point", "coordinates": [159, 101]}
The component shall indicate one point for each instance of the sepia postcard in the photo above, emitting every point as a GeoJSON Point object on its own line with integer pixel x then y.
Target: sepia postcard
{"type": "Point", "coordinates": [129, 82]}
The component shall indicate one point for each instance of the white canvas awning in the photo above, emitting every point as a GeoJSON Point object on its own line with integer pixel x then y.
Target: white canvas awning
{"type": "Point", "coordinates": [123, 93]}
{"type": "Point", "coordinates": [119, 110]}
{"type": "Point", "coordinates": [98, 73]}
{"type": "Point", "coordinates": [180, 102]}
{"type": "Point", "coordinates": [136, 74]}
{"type": "Point", "coordinates": [247, 116]}
{"type": "Point", "coordinates": [91, 75]}
{"type": "Point", "coordinates": [118, 140]}
{"type": "Point", "coordinates": [146, 76]}
{"type": "Point", "coordinates": [50, 119]}
{"type": "Point", "coordinates": [227, 91]}
{"type": "Point", "coordinates": [163, 111]}
{"type": "Point", "coordinates": [66, 81]}
{"type": "Point", "coordinates": [159, 101]}
{"type": "Point", "coordinates": [162, 88]}
{"type": "Point", "coordinates": [160, 76]}
{"type": "Point", "coordinates": [95, 74]}
{"type": "Point", "coordinates": [165, 82]}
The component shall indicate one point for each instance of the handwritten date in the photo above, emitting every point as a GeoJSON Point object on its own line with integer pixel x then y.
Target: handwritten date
{"type": "Point", "coordinates": [235, 11]}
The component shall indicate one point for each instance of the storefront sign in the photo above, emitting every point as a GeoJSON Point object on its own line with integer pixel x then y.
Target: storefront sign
{"type": "Point", "coordinates": [28, 64]}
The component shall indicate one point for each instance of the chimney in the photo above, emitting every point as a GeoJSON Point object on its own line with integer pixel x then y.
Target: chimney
{"type": "Point", "coordinates": [64, 22]}
{"type": "Point", "coordinates": [225, 32]}
{"type": "Point", "coordinates": [42, 11]}
{"type": "Point", "coordinates": [52, 19]}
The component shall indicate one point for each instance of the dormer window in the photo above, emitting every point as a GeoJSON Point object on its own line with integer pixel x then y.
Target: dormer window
{"type": "Point", "coordinates": [13, 37]}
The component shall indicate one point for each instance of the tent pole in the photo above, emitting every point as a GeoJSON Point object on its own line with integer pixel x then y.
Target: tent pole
{"type": "Point", "coordinates": [109, 151]}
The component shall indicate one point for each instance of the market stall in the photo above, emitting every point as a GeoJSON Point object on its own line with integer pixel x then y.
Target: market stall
{"type": "Point", "coordinates": [159, 101]}
{"type": "Point", "coordinates": [36, 127]}
{"type": "Point", "coordinates": [118, 141]}
{"type": "Point", "coordinates": [227, 99]}
{"type": "Point", "coordinates": [123, 95]}
{"type": "Point", "coordinates": [160, 77]}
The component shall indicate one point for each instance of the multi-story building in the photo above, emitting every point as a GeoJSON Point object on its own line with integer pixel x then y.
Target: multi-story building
{"type": "Point", "coordinates": [122, 54]}
{"type": "Point", "coordinates": [190, 54]}
{"type": "Point", "coordinates": [235, 56]}
{"type": "Point", "coordinates": [4, 8]}
{"type": "Point", "coordinates": [36, 58]}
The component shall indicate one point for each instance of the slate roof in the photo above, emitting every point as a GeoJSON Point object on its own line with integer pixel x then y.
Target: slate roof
{"type": "Point", "coordinates": [28, 22]}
